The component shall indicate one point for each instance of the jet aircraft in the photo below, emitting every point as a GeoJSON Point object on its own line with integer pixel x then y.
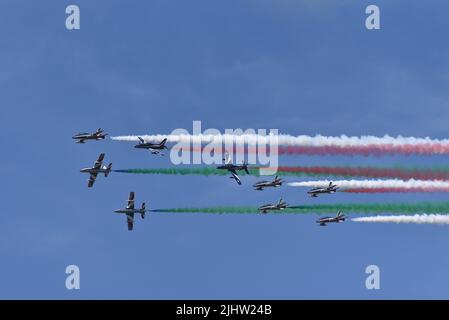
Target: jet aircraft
{"type": "Point", "coordinates": [96, 169]}
{"type": "Point", "coordinates": [155, 148]}
{"type": "Point", "coordinates": [320, 190]}
{"type": "Point", "coordinates": [281, 205]}
{"type": "Point", "coordinates": [130, 210]}
{"type": "Point", "coordinates": [337, 219]}
{"type": "Point", "coordinates": [233, 168]}
{"type": "Point", "coordinates": [97, 135]}
{"type": "Point", "coordinates": [276, 182]}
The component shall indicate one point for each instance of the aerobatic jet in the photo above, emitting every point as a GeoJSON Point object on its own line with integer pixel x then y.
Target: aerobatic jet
{"type": "Point", "coordinates": [281, 205]}
{"type": "Point", "coordinates": [96, 169]}
{"type": "Point", "coordinates": [233, 168]}
{"type": "Point", "coordinates": [332, 188]}
{"type": "Point", "coordinates": [337, 219]}
{"type": "Point", "coordinates": [97, 135]}
{"type": "Point", "coordinates": [276, 182]}
{"type": "Point", "coordinates": [130, 210]}
{"type": "Point", "coordinates": [155, 148]}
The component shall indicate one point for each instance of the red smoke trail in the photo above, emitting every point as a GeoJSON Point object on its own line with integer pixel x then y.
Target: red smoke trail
{"type": "Point", "coordinates": [367, 150]}
{"type": "Point", "coordinates": [368, 172]}
{"type": "Point", "coordinates": [395, 190]}
{"type": "Point", "coordinates": [373, 149]}
{"type": "Point", "coordinates": [372, 172]}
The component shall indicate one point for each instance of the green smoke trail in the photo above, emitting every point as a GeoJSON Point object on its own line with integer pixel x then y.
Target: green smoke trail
{"type": "Point", "coordinates": [400, 172]}
{"type": "Point", "coordinates": [204, 171]}
{"type": "Point", "coordinates": [402, 208]}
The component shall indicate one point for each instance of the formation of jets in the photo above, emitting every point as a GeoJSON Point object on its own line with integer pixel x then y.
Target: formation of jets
{"type": "Point", "coordinates": [320, 190]}
{"type": "Point", "coordinates": [130, 210]}
{"type": "Point", "coordinates": [99, 168]}
{"type": "Point", "coordinates": [157, 148]}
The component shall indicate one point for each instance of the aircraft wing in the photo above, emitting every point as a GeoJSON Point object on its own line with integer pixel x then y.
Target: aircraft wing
{"type": "Point", "coordinates": [99, 161]}
{"type": "Point", "coordinates": [130, 220]}
{"type": "Point", "coordinates": [92, 178]}
{"type": "Point", "coordinates": [131, 201]}
{"type": "Point", "coordinates": [235, 176]}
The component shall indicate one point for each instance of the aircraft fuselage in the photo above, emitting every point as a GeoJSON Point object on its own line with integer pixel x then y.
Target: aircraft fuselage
{"type": "Point", "coordinates": [270, 207]}
{"type": "Point", "coordinates": [88, 137]}
{"type": "Point", "coordinates": [129, 211]}
{"type": "Point", "coordinates": [266, 184]}
{"type": "Point", "coordinates": [149, 146]}
{"type": "Point", "coordinates": [81, 137]}
{"type": "Point", "coordinates": [316, 192]}
{"type": "Point", "coordinates": [93, 170]}
{"type": "Point", "coordinates": [231, 167]}
{"type": "Point", "coordinates": [325, 220]}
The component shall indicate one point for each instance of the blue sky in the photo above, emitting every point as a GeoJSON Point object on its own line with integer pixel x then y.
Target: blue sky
{"type": "Point", "coordinates": [137, 67]}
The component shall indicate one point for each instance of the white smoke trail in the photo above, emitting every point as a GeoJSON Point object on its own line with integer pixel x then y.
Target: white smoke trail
{"type": "Point", "coordinates": [377, 184]}
{"type": "Point", "coordinates": [418, 219]}
{"type": "Point", "coordinates": [289, 140]}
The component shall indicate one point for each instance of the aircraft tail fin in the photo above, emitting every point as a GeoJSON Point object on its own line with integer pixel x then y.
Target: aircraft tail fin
{"type": "Point", "coordinates": [141, 140]}
{"type": "Point", "coordinates": [162, 143]}
{"type": "Point", "coordinates": [339, 213]}
{"type": "Point", "coordinates": [245, 166]}
{"type": "Point", "coordinates": [227, 158]}
{"type": "Point", "coordinates": [108, 170]}
{"type": "Point", "coordinates": [142, 213]}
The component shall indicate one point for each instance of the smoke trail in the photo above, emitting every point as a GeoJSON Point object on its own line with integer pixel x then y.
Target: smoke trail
{"type": "Point", "coordinates": [379, 186]}
{"type": "Point", "coordinates": [312, 145]}
{"type": "Point", "coordinates": [403, 208]}
{"type": "Point", "coordinates": [203, 171]}
{"type": "Point", "coordinates": [419, 219]}
{"type": "Point", "coordinates": [404, 173]}
{"type": "Point", "coordinates": [396, 190]}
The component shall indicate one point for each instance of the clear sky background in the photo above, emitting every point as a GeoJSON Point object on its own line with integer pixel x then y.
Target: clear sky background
{"type": "Point", "coordinates": [143, 67]}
